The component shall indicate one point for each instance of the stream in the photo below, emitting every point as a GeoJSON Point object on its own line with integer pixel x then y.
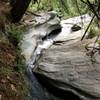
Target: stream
{"type": "Point", "coordinates": [39, 88]}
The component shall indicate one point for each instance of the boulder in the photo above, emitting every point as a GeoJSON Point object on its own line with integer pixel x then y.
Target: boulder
{"type": "Point", "coordinates": [73, 28]}
{"type": "Point", "coordinates": [68, 67]}
{"type": "Point", "coordinates": [45, 24]}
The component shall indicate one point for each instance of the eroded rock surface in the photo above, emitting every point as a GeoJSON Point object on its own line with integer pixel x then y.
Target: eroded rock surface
{"type": "Point", "coordinates": [67, 67]}
{"type": "Point", "coordinates": [68, 28]}
{"type": "Point", "coordinates": [46, 23]}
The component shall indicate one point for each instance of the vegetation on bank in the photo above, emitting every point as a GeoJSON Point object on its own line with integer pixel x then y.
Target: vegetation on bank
{"type": "Point", "coordinates": [12, 67]}
{"type": "Point", "coordinates": [66, 9]}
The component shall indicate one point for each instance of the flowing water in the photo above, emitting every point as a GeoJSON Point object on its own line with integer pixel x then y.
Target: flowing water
{"type": "Point", "coordinates": [39, 91]}
{"type": "Point", "coordinates": [39, 88]}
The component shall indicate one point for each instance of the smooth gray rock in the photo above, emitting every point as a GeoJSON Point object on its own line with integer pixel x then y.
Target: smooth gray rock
{"type": "Point", "coordinates": [46, 23]}
{"type": "Point", "coordinates": [66, 66]}
{"type": "Point", "coordinates": [67, 34]}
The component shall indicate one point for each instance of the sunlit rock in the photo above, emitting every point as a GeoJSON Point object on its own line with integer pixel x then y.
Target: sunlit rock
{"type": "Point", "coordinates": [67, 34]}
{"type": "Point", "coordinates": [46, 23]}
{"type": "Point", "coordinates": [69, 68]}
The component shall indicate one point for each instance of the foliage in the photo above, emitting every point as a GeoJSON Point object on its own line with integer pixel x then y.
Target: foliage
{"type": "Point", "coordinates": [65, 8]}
{"type": "Point", "coordinates": [93, 30]}
{"type": "Point", "coordinates": [94, 7]}
{"type": "Point", "coordinates": [15, 34]}
{"type": "Point", "coordinates": [12, 65]}
{"type": "Point", "coordinates": [12, 73]}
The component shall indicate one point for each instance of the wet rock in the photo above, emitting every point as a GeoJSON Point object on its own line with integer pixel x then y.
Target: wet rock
{"type": "Point", "coordinates": [0, 96]}
{"type": "Point", "coordinates": [73, 28]}
{"type": "Point", "coordinates": [67, 67]}
{"type": "Point", "coordinates": [46, 23]}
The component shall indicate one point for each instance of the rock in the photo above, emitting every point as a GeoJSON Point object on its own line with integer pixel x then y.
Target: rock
{"type": "Point", "coordinates": [75, 28]}
{"type": "Point", "coordinates": [13, 88]}
{"type": "Point", "coordinates": [3, 81]}
{"type": "Point", "coordinates": [93, 45]}
{"type": "Point", "coordinates": [77, 20]}
{"type": "Point", "coordinates": [46, 24]}
{"type": "Point", "coordinates": [68, 28]}
{"type": "Point", "coordinates": [67, 67]}
{"type": "Point", "coordinates": [0, 96]}
{"type": "Point", "coordinates": [64, 66]}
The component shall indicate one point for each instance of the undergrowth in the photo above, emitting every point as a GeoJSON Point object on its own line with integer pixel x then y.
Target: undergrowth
{"type": "Point", "coordinates": [12, 66]}
{"type": "Point", "coordinates": [67, 8]}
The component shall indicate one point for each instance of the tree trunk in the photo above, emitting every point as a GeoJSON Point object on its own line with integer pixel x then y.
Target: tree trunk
{"type": "Point", "coordinates": [18, 9]}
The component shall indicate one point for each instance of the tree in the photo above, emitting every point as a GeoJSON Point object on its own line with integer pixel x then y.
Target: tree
{"type": "Point", "coordinates": [94, 6]}
{"type": "Point", "coordinates": [18, 9]}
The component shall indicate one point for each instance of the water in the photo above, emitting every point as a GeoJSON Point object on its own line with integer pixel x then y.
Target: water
{"type": "Point", "coordinates": [40, 89]}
